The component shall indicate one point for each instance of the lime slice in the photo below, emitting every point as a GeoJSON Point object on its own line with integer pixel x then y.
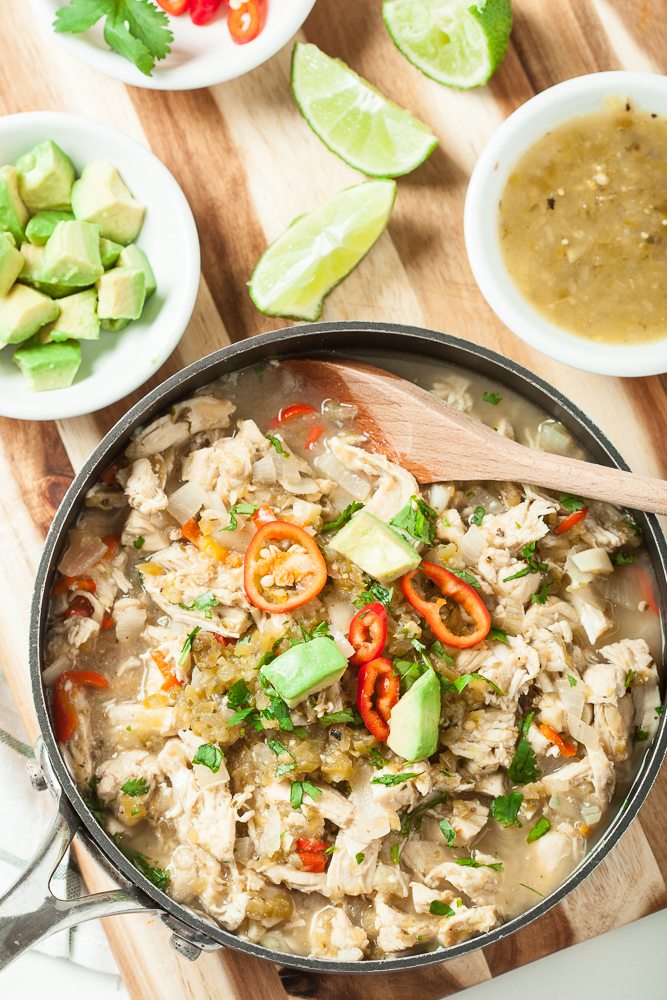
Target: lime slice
{"type": "Point", "coordinates": [353, 119]}
{"type": "Point", "coordinates": [318, 250]}
{"type": "Point", "coordinates": [455, 43]}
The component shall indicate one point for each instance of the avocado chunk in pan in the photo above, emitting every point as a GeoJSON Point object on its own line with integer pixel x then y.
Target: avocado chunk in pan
{"type": "Point", "coordinates": [102, 197]}
{"type": "Point", "coordinates": [305, 669]}
{"type": "Point", "coordinates": [415, 718]}
{"type": "Point", "coordinates": [375, 547]}
{"type": "Point", "coordinates": [45, 176]}
{"type": "Point", "coordinates": [49, 366]}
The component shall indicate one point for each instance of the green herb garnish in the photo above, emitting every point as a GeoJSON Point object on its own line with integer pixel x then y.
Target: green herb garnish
{"type": "Point", "coordinates": [343, 517]}
{"type": "Point", "coordinates": [462, 682]}
{"type": "Point", "coordinates": [394, 853]}
{"type": "Point", "coordinates": [523, 768]}
{"type": "Point", "coordinates": [416, 521]}
{"type": "Point", "coordinates": [623, 558]}
{"type": "Point", "coordinates": [541, 827]}
{"type": "Point", "coordinates": [533, 565]}
{"type": "Point", "coordinates": [505, 809]}
{"type": "Point", "coordinates": [530, 889]}
{"type": "Point", "coordinates": [300, 788]}
{"type": "Point", "coordinates": [571, 502]}
{"type": "Point", "coordinates": [187, 645]}
{"type": "Point", "coordinates": [543, 593]}
{"type": "Point", "coordinates": [497, 866]}
{"type": "Point", "coordinates": [467, 577]}
{"type": "Point", "coordinates": [239, 694]}
{"type": "Point", "coordinates": [437, 649]}
{"type": "Point", "coordinates": [158, 876]}
{"type": "Point", "coordinates": [394, 779]}
{"type": "Point", "coordinates": [241, 509]}
{"type": "Point", "coordinates": [346, 715]}
{"type": "Point", "coordinates": [492, 397]}
{"type": "Point", "coordinates": [359, 857]}
{"type": "Point", "coordinates": [499, 634]}
{"type": "Point", "coordinates": [412, 820]}
{"type": "Point", "coordinates": [632, 523]}
{"type": "Point", "coordinates": [135, 29]}
{"type": "Point", "coordinates": [478, 515]}
{"type": "Point", "coordinates": [628, 678]}
{"type": "Point", "coordinates": [204, 603]}
{"type": "Point", "coordinates": [572, 681]}
{"type": "Point", "coordinates": [641, 735]}
{"type": "Point", "coordinates": [135, 786]}
{"type": "Point", "coordinates": [139, 542]}
{"type": "Point", "coordinates": [210, 756]}
{"type": "Point", "coordinates": [277, 444]}
{"type": "Point", "coordinates": [440, 909]}
{"type": "Point", "coordinates": [448, 832]}
{"type": "Point", "coordinates": [374, 592]}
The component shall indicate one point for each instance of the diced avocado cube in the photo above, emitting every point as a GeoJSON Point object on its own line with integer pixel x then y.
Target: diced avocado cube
{"type": "Point", "coordinates": [415, 719]}
{"type": "Point", "coordinates": [132, 256]}
{"type": "Point", "coordinates": [11, 265]}
{"type": "Point", "coordinates": [32, 273]}
{"type": "Point", "coordinates": [115, 325]}
{"type": "Point", "coordinates": [121, 293]}
{"type": "Point", "coordinates": [41, 226]}
{"type": "Point", "coordinates": [101, 196]}
{"type": "Point", "coordinates": [72, 254]}
{"type": "Point", "coordinates": [8, 236]}
{"type": "Point", "coordinates": [49, 366]}
{"type": "Point", "coordinates": [374, 547]}
{"type": "Point", "coordinates": [13, 213]}
{"type": "Point", "coordinates": [78, 319]}
{"type": "Point", "coordinates": [305, 669]}
{"type": "Point", "coordinates": [22, 312]}
{"type": "Point", "coordinates": [109, 252]}
{"type": "Point", "coordinates": [46, 175]}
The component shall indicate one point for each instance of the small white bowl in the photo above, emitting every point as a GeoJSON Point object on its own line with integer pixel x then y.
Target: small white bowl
{"type": "Point", "coordinates": [117, 363]}
{"type": "Point", "coordinates": [200, 56]}
{"type": "Point", "coordinates": [551, 108]}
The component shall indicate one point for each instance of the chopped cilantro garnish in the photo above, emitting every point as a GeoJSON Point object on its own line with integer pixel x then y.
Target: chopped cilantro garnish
{"type": "Point", "coordinates": [209, 755]}
{"type": "Point", "coordinates": [505, 809]}
{"type": "Point", "coordinates": [448, 831]}
{"type": "Point", "coordinates": [139, 542]}
{"type": "Point", "coordinates": [541, 827]}
{"type": "Point", "coordinates": [409, 672]}
{"type": "Point", "coordinates": [277, 444]}
{"type": "Point", "coordinates": [523, 768]}
{"type": "Point", "coordinates": [416, 521]}
{"type": "Point", "coordinates": [300, 788]}
{"type": "Point", "coordinates": [315, 633]}
{"type": "Point", "coordinates": [279, 711]}
{"type": "Point", "coordinates": [641, 735]}
{"type": "Point", "coordinates": [375, 758]}
{"type": "Point", "coordinates": [437, 649]}
{"type": "Point", "coordinates": [204, 603]}
{"type": "Point", "coordinates": [158, 876]}
{"type": "Point", "coordinates": [343, 517]}
{"type": "Point", "coordinates": [374, 592]}
{"type": "Point", "coordinates": [530, 889]}
{"type": "Point", "coordinates": [477, 515]}
{"type": "Point", "coordinates": [572, 681]}
{"type": "Point", "coordinates": [359, 857]}
{"type": "Point", "coordinates": [394, 853]}
{"type": "Point", "coordinates": [622, 558]}
{"type": "Point", "coordinates": [242, 714]}
{"type": "Point", "coordinates": [497, 866]}
{"type": "Point", "coordinates": [459, 683]}
{"type": "Point", "coordinates": [440, 909]}
{"type": "Point", "coordinates": [492, 397]}
{"type": "Point", "coordinates": [187, 645]}
{"type": "Point", "coordinates": [394, 779]}
{"type": "Point", "coordinates": [277, 747]}
{"type": "Point", "coordinates": [135, 786]}
{"type": "Point", "coordinates": [571, 502]}
{"type": "Point", "coordinates": [243, 510]}
{"type": "Point", "coordinates": [628, 678]}
{"type": "Point", "coordinates": [329, 850]}
{"type": "Point", "coordinates": [543, 593]}
{"type": "Point", "coordinates": [659, 709]}
{"type": "Point", "coordinates": [346, 715]}
{"type": "Point", "coordinates": [285, 768]}
{"type": "Point", "coordinates": [239, 694]}
{"type": "Point", "coordinates": [412, 820]}
{"type": "Point", "coordinates": [467, 577]}
{"type": "Point", "coordinates": [499, 634]}
{"type": "Point", "coordinates": [632, 523]}
{"type": "Point", "coordinates": [533, 565]}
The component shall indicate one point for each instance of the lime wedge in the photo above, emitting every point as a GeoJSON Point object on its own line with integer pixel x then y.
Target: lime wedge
{"type": "Point", "coordinates": [452, 41]}
{"type": "Point", "coordinates": [353, 119]}
{"type": "Point", "coordinates": [318, 250]}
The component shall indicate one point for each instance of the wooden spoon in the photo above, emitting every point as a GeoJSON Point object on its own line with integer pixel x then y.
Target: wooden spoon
{"type": "Point", "coordinates": [438, 443]}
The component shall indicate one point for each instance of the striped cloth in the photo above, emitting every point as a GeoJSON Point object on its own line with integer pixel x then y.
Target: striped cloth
{"type": "Point", "coordinates": [25, 817]}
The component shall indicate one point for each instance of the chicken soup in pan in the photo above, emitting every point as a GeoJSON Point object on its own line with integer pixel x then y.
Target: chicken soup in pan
{"type": "Point", "coordinates": [343, 715]}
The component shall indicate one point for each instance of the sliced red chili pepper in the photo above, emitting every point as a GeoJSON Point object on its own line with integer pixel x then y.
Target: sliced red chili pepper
{"type": "Point", "coordinates": [574, 518]}
{"type": "Point", "coordinates": [378, 690]}
{"type": "Point", "coordinates": [263, 515]}
{"type": "Point", "coordinates": [644, 585]}
{"type": "Point", "coordinates": [65, 583]}
{"type": "Point", "coordinates": [203, 11]}
{"type": "Point", "coordinates": [312, 854]}
{"type": "Point", "coordinates": [290, 412]}
{"type": "Point", "coordinates": [256, 567]}
{"type": "Point", "coordinates": [314, 435]}
{"type": "Point", "coordinates": [368, 633]}
{"type": "Point", "coordinates": [222, 639]}
{"type": "Point", "coordinates": [79, 607]}
{"type": "Point", "coordinates": [107, 621]}
{"type": "Point", "coordinates": [452, 588]}
{"type": "Point", "coordinates": [566, 749]}
{"type": "Point", "coordinates": [246, 22]}
{"type": "Point", "coordinates": [160, 661]}
{"type": "Point", "coordinates": [65, 718]}
{"type": "Point", "coordinates": [113, 544]}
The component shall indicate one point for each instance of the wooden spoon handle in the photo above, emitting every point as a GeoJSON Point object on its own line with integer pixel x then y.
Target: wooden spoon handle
{"type": "Point", "coordinates": [623, 489]}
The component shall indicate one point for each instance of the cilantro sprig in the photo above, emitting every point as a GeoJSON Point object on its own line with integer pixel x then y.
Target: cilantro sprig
{"type": "Point", "coordinates": [416, 521]}
{"type": "Point", "coordinates": [136, 29]}
{"type": "Point", "coordinates": [343, 517]}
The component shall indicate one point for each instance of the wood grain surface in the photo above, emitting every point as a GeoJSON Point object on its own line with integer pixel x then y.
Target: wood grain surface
{"type": "Point", "coordinates": [248, 164]}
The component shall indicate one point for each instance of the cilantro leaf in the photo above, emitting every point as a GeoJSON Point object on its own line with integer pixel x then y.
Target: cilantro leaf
{"type": "Point", "coordinates": [135, 786]}
{"type": "Point", "coordinates": [541, 827]}
{"type": "Point", "coordinates": [210, 756]}
{"type": "Point", "coordinates": [394, 853]}
{"type": "Point", "coordinates": [409, 672]}
{"type": "Point", "coordinates": [300, 788]}
{"type": "Point", "coordinates": [135, 29]}
{"type": "Point", "coordinates": [492, 397]}
{"type": "Point", "coordinates": [499, 634]}
{"type": "Point", "coordinates": [158, 876]}
{"type": "Point", "coordinates": [464, 575]}
{"type": "Point", "coordinates": [242, 714]}
{"type": "Point", "coordinates": [497, 866]}
{"type": "Point", "coordinates": [279, 711]}
{"type": "Point", "coordinates": [374, 592]}
{"type": "Point", "coordinates": [412, 820]}
{"type": "Point", "coordinates": [571, 502]}
{"type": "Point", "coordinates": [376, 759]}
{"type": "Point", "coordinates": [148, 24]}
{"type": "Point", "coordinates": [533, 564]}
{"type": "Point", "coordinates": [505, 809]}
{"type": "Point", "coordinates": [415, 521]}
{"type": "Point", "coordinates": [204, 603]}
{"type": "Point", "coordinates": [543, 593]}
{"type": "Point", "coordinates": [277, 747]}
{"type": "Point", "coordinates": [348, 715]}
{"type": "Point", "coordinates": [394, 779]}
{"type": "Point", "coordinates": [623, 558]}
{"type": "Point", "coordinates": [572, 681]}
{"type": "Point", "coordinates": [478, 515]}
{"type": "Point", "coordinates": [437, 649]}
{"type": "Point", "coordinates": [440, 909]}
{"type": "Point", "coordinates": [238, 695]}
{"type": "Point", "coordinates": [139, 542]}
{"type": "Point", "coordinates": [277, 445]}
{"type": "Point", "coordinates": [244, 509]}
{"type": "Point", "coordinates": [448, 831]}
{"type": "Point", "coordinates": [187, 645]}
{"type": "Point", "coordinates": [343, 517]}
{"type": "Point", "coordinates": [459, 683]}
{"type": "Point", "coordinates": [359, 857]}
{"type": "Point", "coordinates": [523, 768]}
{"type": "Point", "coordinates": [79, 15]}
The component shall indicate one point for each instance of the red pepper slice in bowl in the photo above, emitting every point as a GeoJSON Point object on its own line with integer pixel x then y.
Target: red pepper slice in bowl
{"type": "Point", "coordinates": [453, 589]}
{"type": "Point", "coordinates": [295, 410]}
{"type": "Point", "coordinates": [312, 854]}
{"type": "Point", "coordinates": [306, 570]}
{"type": "Point", "coordinates": [378, 690]}
{"type": "Point", "coordinates": [246, 22]}
{"type": "Point", "coordinates": [203, 11]}
{"type": "Point", "coordinates": [65, 718]}
{"type": "Point", "coordinates": [368, 633]}
{"type": "Point", "coordinates": [569, 522]}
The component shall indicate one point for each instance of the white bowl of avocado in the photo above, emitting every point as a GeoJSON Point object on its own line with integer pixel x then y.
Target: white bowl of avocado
{"type": "Point", "coordinates": [93, 298]}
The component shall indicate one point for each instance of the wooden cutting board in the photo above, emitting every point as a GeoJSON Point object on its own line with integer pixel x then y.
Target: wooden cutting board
{"type": "Point", "coordinates": [248, 164]}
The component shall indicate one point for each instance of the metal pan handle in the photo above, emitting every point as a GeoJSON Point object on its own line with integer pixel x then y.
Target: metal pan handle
{"type": "Point", "coordinates": [30, 912]}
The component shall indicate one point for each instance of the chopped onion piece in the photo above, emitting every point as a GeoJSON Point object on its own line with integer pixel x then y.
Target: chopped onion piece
{"type": "Point", "coordinates": [582, 732]}
{"type": "Point", "coordinates": [511, 615]}
{"type": "Point", "coordinates": [552, 436]}
{"type": "Point", "coordinates": [440, 497]}
{"type": "Point", "coordinates": [187, 501]}
{"type": "Point", "coordinates": [264, 470]}
{"type": "Point", "coordinates": [130, 620]}
{"type": "Point", "coordinates": [572, 698]}
{"type": "Point", "coordinates": [358, 488]}
{"type": "Point", "coordinates": [590, 813]}
{"type": "Point", "coordinates": [473, 544]}
{"type": "Point", "coordinates": [593, 561]}
{"type": "Point", "coordinates": [51, 673]}
{"type": "Point", "coordinates": [84, 552]}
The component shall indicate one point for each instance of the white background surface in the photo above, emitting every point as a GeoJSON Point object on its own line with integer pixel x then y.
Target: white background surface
{"type": "Point", "coordinates": [621, 965]}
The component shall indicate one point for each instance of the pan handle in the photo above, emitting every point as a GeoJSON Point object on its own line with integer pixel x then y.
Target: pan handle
{"type": "Point", "coordinates": [30, 912]}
